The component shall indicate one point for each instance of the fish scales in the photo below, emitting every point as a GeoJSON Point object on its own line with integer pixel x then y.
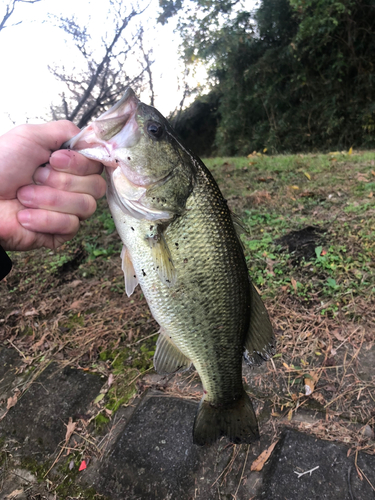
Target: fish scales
{"type": "Point", "coordinates": [181, 246]}
{"type": "Point", "coordinates": [211, 281]}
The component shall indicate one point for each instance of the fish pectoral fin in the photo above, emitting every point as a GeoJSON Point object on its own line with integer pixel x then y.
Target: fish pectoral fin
{"type": "Point", "coordinates": [236, 421]}
{"type": "Point", "coordinates": [168, 358]}
{"type": "Point", "coordinates": [162, 258]}
{"type": "Point", "coordinates": [131, 280]}
{"type": "Point", "coordinates": [260, 340]}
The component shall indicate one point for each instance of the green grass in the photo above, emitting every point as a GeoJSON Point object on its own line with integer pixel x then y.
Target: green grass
{"type": "Point", "coordinates": [277, 195]}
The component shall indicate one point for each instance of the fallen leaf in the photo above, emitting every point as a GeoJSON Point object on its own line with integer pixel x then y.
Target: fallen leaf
{"type": "Point", "coordinates": [307, 175]}
{"type": "Point", "coordinates": [350, 151]}
{"type": "Point", "coordinates": [290, 414]}
{"type": "Point", "coordinates": [12, 401]}
{"type": "Point", "coordinates": [99, 398]}
{"type": "Point", "coordinates": [338, 336]}
{"type": "Point", "coordinates": [310, 382]}
{"type": "Point", "coordinates": [319, 397]}
{"type": "Point", "coordinates": [294, 187]}
{"type": "Point", "coordinates": [40, 342]}
{"type": "Point", "coordinates": [110, 380]}
{"type": "Point", "coordinates": [14, 494]}
{"type": "Point", "coordinates": [82, 466]}
{"type": "Point", "coordinates": [259, 462]}
{"type": "Point", "coordinates": [75, 283]}
{"type": "Point", "coordinates": [77, 304]}
{"type": "Point", "coordinates": [70, 428]}
{"type": "Point", "coordinates": [32, 312]}
{"type": "Point", "coordinates": [294, 283]}
{"type": "Point", "coordinates": [362, 178]}
{"type": "Point", "coordinates": [259, 197]}
{"type": "Point", "coordinates": [307, 194]}
{"type": "Point", "coordinates": [264, 179]}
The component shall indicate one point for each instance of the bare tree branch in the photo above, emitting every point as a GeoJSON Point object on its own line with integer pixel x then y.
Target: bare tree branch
{"type": "Point", "coordinates": [100, 85]}
{"type": "Point", "coordinates": [9, 9]}
{"type": "Point", "coordinates": [148, 62]}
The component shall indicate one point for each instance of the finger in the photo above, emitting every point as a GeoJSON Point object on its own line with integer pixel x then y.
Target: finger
{"type": "Point", "coordinates": [53, 134]}
{"type": "Point", "coordinates": [74, 163]}
{"type": "Point", "coordinates": [93, 184]}
{"type": "Point", "coordinates": [44, 197]}
{"type": "Point", "coordinates": [48, 222]}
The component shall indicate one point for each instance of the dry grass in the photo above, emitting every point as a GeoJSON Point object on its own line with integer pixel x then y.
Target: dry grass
{"type": "Point", "coordinates": [70, 307]}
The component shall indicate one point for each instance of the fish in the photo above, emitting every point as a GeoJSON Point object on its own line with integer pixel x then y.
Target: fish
{"type": "Point", "coordinates": [181, 244]}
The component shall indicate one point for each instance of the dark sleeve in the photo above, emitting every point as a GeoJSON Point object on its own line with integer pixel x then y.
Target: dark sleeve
{"type": "Point", "coordinates": [5, 264]}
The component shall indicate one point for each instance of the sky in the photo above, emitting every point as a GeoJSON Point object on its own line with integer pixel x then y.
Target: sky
{"type": "Point", "coordinates": [28, 88]}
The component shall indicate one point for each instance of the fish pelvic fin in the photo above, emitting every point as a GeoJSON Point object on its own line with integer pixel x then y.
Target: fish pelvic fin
{"type": "Point", "coordinates": [131, 280]}
{"type": "Point", "coordinates": [237, 421]}
{"type": "Point", "coordinates": [168, 358]}
{"type": "Point", "coordinates": [260, 340]}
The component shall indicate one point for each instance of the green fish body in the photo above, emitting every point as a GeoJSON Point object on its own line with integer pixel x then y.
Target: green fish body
{"type": "Point", "coordinates": [181, 246]}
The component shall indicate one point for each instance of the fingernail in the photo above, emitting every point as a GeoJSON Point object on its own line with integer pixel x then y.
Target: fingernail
{"type": "Point", "coordinates": [26, 195]}
{"type": "Point", "coordinates": [24, 218]}
{"type": "Point", "coordinates": [60, 160]}
{"type": "Point", "coordinates": [41, 175]}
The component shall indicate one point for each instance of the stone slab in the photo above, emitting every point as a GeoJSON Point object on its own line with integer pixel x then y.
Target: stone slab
{"type": "Point", "coordinates": [335, 479]}
{"type": "Point", "coordinates": [37, 421]}
{"type": "Point", "coordinates": [154, 458]}
{"type": "Point", "coordinates": [9, 359]}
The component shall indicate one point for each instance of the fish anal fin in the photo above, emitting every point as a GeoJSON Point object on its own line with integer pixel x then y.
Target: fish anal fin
{"type": "Point", "coordinates": [236, 421]}
{"type": "Point", "coordinates": [161, 257]}
{"type": "Point", "coordinates": [260, 340]}
{"type": "Point", "coordinates": [131, 280]}
{"type": "Point", "coordinates": [168, 358]}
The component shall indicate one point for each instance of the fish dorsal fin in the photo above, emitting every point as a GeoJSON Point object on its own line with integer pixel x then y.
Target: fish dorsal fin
{"type": "Point", "coordinates": [131, 280]}
{"type": "Point", "coordinates": [161, 256]}
{"type": "Point", "coordinates": [239, 227]}
{"type": "Point", "coordinates": [168, 358]}
{"type": "Point", "coordinates": [238, 224]}
{"type": "Point", "coordinates": [260, 340]}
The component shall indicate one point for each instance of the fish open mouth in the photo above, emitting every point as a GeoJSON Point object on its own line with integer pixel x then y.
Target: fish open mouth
{"type": "Point", "coordinates": [115, 129]}
{"type": "Point", "coordinates": [109, 139]}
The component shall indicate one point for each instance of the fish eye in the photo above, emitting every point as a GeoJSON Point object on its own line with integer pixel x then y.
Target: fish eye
{"type": "Point", "coordinates": [155, 130]}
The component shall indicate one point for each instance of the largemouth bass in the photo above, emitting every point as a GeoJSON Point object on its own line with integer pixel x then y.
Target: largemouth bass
{"type": "Point", "coordinates": [181, 246]}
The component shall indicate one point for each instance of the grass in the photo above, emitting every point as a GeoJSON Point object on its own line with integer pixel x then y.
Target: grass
{"type": "Point", "coordinates": [279, 195]}
{"type": "Point", "coordinates": [310, 247]}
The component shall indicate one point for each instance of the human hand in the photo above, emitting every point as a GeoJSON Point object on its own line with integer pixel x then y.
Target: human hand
{"type": "Point", "coordinates": [42, 206]}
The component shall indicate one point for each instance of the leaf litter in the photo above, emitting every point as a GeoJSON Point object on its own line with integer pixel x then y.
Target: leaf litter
{"type": "Point", "coordinates": [79, 315]}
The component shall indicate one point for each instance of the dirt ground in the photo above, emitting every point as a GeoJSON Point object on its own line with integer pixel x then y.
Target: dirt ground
{"type": "Point", "coordinates": [310, 246]}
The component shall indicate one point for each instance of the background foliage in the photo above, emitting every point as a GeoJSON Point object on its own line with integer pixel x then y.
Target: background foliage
{"type": "Point", "coordinates": [293, 75]}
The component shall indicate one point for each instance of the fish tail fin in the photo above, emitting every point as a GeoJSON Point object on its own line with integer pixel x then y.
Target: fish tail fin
{"type": "Point", "coordinates": [238, 422]}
